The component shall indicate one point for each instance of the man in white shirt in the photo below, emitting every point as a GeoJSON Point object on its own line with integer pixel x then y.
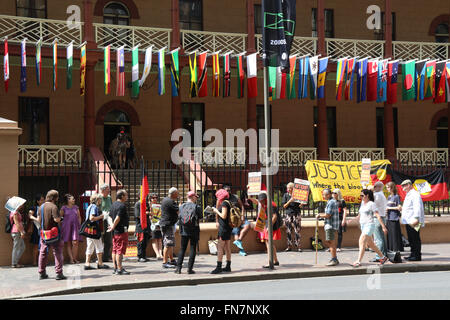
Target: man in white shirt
{"type": "Point", "coordinates": [413, 218]}
{"type": "Point", "coordinates": [380, 203]}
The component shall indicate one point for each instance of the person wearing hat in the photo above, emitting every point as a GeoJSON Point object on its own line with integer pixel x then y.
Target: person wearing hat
{"type": "Point", "coordinates": [413, 218]}
{"type": "Point", "coordinates": [189, 221]}
{"type": "Point", "coordinates": [15, 205]}
{"type": "Point", "coordinates": [381, 204]}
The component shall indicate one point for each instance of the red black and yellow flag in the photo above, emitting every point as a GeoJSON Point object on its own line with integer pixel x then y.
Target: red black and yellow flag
{"type": "Point", "coordinates": [381, 172]}
{"type": "Point", "coordinates": [432, 186]}
{"type": "Point", "coordinates": [143, 199]}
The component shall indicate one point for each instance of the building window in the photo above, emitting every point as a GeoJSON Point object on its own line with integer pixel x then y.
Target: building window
{"type": "Point", "coordinates": [32, 8]}
{"type": "Point", "coordinates": [331, 126]}
{"type": "Point", "coordinates": [380, 127]}
{"type": "Point", "coordinates": [442, 33]}
{"type": "Point", "coordinates": [191, 14]}
{"type": "Point", "coordinates": [329, 23]}
{"type": "Point", "coordinates": [258, 19]}
{"type": "Point", "coordinates": [442, 133]}
{"type": "Point", "coordinates": [116, 13]}
{"type": "Point", "coordinates": [379, 33]}
{"type": "Point", "coordinates": [192, 112]}
{"type": "Point", "coordinates": [34, 121]}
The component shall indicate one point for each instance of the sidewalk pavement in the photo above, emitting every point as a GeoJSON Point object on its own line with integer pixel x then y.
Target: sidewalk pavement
{"type": "Point", "coordinates": [24, 282]}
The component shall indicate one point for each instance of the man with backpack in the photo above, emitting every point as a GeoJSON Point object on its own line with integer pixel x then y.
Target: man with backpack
{"type": "Point", "coordinates": [189, 222]}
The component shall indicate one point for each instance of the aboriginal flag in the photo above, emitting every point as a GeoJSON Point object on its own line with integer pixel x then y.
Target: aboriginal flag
{"type": "Point", "coordinates": [143, 198]}
{"type": "Point", "coordinates": [432, 186]}
{"type": "Point", "coordinates": [381, 172]}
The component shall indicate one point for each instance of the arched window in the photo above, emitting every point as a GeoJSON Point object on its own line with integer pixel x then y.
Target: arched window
{"type": "Point", "coordinates": [441, 33]}
{"type": "Point", "coordinates": [116, 13]}
{"type": "Point", "coordinates": [117, 117]}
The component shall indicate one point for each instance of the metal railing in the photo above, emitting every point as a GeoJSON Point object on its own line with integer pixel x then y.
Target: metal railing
{"type": "Point", "coordinates": [420, 50]}
{"type": "Point", "coordinates": [425, 156]}
{"type": "Point", "coordinates": [18, 28]}
{"type": "Point", "coordinates": [213, 41]}
{"type": "Point", "coordinates": [46, 155]}
{"type": "Point", "coordinates": [356, 154]}
{"type": "Point", "coordinates": [338, 48]}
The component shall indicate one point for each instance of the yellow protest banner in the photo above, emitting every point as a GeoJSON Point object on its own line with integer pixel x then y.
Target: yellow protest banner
{"type": "Point", "coordinates": [343, 175]}
{"type": "Point", "coordinates": [261, 220]}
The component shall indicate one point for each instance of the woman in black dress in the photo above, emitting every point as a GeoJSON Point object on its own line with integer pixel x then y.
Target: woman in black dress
{"type": "Point", "coordinates": [394, 236]}
{"type": "Point", "coordinates": [33, 216]}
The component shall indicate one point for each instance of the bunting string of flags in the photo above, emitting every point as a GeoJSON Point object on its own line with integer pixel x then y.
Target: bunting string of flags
{"type": "Point", "coordinates": [376, 79]}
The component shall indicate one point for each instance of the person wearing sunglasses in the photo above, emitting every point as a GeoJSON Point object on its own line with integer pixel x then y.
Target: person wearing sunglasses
{"type": "Point", "coordinates": [368, 212]}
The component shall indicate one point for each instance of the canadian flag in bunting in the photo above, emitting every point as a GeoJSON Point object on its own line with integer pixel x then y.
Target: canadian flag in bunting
{"type": "Point", "coordinates": [372, 70]}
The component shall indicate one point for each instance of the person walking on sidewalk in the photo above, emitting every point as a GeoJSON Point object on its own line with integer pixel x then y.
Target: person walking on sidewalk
{"type": "Point", "coordinates": [17, 231]}
{"type": "Point", "coordinates": [143, 235]}
{"type": "Point", "coordinates": [343, 211]}
{"type": "Point", "coordinates": [169, 217]}
{"type": "Point", "coordinates": [331, 226]}
{"type": "Point", "coordinates": [394, 236]}
{"type": "Point", "coordinates": [292, 219]}
{"type": "Point", "coordinates": [413, 218]}
{"type": "Point", "coordinates": [120, 218]}
{"type": "Point", "coordinates": [366, 218]}
{"type": "Point", "coordinates": [70, 227]}
{"type": "Point", "coordinates": [189, 222]}
{"type": "Point", "coordinates": [224, 235]}
{"type": "Point", "coordinates": [106, 207]}
{"type": "Point", "coordinates": [380, 204]}
{"type": "Point", "coordinates": [93, 214]}
{"type": "Point", "coordinates": [49, 212]}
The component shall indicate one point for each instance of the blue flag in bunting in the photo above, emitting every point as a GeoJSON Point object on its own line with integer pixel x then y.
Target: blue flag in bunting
{"type": "Point", "coordinates": [361, 80]}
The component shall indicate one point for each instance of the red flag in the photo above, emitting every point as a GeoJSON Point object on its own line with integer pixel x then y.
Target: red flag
{"type": "Point", "coordinates": [6, 66]}
{"type": "Point", "coordinates": [283, 86]}
{"type": "Point", "coordinates": [440, 79]}
{"type": "Point", "coordinates": [252, 80]}
{"type": "Point", "coordinates": [143, 200]}
{"type": "Point", "coordinates": [372, 70]}
{"type": "Point", "coordinates": [202, 75]}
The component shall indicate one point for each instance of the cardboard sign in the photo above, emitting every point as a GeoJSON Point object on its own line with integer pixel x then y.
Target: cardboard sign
{"type": "Point", "coordinates": [365, 172]}
{"type": "Point", "coordinates": [131, 249]}
{"type": "Point", "coordinates": [254, 183]}
{"type": "Point", "coordinates": [156, 213]}
{"type": "Point", "coordinates": [261, 220]}
{"type": "Point", "coordinates": [301, 191]}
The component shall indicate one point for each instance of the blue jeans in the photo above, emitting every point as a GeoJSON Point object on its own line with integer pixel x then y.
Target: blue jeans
{"type": "Point", "coordinates": [379, 239]}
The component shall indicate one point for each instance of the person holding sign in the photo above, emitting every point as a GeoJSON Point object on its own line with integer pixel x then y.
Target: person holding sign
{"type": "Point", "coordinates": [331, 216]}
{"type": "Point", "coordinates": [292, 218]}
{"type": "Point", "coordinates": [367, 211]}
{"type": "Point", "coordinates": [155, 209]}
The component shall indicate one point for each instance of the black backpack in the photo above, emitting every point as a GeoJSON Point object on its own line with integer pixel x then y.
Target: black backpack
{"type": "Point", "coordinates": [8, 225]}
{"type": "Point", "coordinates": [188, 215]}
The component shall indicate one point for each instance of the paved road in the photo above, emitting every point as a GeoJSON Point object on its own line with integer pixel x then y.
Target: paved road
{"type": "Point", "coordinates": [421, 285]}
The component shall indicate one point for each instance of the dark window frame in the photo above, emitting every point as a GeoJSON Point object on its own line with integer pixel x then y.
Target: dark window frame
{"type": "Point", "coordinates": [189, 21]}
{"type": "Point", "coordinates": [202, 116]}
{"type": "Point", "coordinates": [379, 115]}
{"type": "Point", "coordinates": [21, 102]}
{"type": "Point", "coordinates": [314, 30]}
{"type": "Point", "coordinates": [116, 17]}
{"type": "Point", "coordinates": [379, 35]}
{"type": "Point", "coordinates": [442, 37]}
{"type": "Point", "coordinates": [32, 10]}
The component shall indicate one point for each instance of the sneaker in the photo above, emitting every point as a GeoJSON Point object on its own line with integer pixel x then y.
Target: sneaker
{"type": "Point", "coordinates": [43, 276]}
{"type": "Point", "coordinates": [238, 243]}
{"type": "Point", "coordinates": [287, 249]}
{"type": "Point", "coordinates": [115, 271]}
{"type": "Point", "coordinates": [338, 250]}
{"type": "Point", "coordinates": [60, 276]}
{"type": "Point", "coordinates": [191, 272]}
{"type": "Point", "coordinates": [242, 253]}
{"type": "Point", "coordinates": [122, 272]}
{"type": "Point", "coordinates": [375, 260]}
{"type": "Point", "coordinates": [299, 250]}
{"type": "Point", "coordinates": [173, 262]}
{"type": "Point", "coordinates": [332, 263]}
{"type": "Point", "coordinates": [102, 266]}
{"type": "Point", "coordinates": [142, 260]}
{"type": "Point", "coordinates": [383, 260]}
{"type": "Point", "coordinates": [168, 266]}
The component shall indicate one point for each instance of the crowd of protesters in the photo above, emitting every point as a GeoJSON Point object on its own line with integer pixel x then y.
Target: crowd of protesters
{"type": "Point", "coordinates": [379, 219]}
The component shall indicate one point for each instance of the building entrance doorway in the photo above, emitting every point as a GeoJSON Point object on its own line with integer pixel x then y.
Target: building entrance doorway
{"type": "Point", "coordinates": [115, 122]}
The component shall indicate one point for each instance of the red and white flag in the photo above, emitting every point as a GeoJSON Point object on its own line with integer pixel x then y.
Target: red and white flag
{"type": "Point", "coordinates": [6, 66]}
{"type": "Point", "coordinates": [372, 78]}
{"type": "Point", "coordinates": [252, 72]}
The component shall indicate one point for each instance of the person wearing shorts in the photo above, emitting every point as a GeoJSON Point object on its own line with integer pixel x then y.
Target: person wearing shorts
{"type": "Point", "coordinates": [331, 225]}
{"type": "Point", "coordinates": [156, 234]}
{"type": "Point", "coordinates": [169, 217]}
{"type": "Point", "coordinates": [92, 213]}
{"type": "Point", "coordinates": [120, 218]}
{"type": "Point", "coordinates": [366, 217]}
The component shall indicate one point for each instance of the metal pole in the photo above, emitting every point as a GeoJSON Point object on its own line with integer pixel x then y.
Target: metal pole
{"type": "Point", "coordinates": [268, 176]}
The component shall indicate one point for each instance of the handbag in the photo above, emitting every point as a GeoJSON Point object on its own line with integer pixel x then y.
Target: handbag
{"type": "Point", "coordinates": [49, 236]}
{"type": "Point", "coordinates": [394, 256]}
{"type": "Point", "coordinates": [212, 245]}
{"type": "Point", "coordinates": [90, 229]}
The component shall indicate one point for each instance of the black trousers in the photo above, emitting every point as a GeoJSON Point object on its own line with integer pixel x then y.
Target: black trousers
{"type": "Point", "coordinates": [394, 236]}
{"type": "Point", "coordinates": [107, 243]}
{"type": "Point", "coordinates": [414, 241]}
{"type": "Point", "coordinates": [142, 246]}
{"type": "Point", "coordinates": [192, 250]}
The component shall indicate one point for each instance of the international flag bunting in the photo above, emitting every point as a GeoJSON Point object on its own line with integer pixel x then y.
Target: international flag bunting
{"type": "Point", "coordinates": [69, 66]}
{"type": "Point", "coordinates": [303, 66]}
{"type": "Point", "coordinates": [432, 186]}
{"type": "Point", "coordinates": [202, 75]}
{"type": "Point", "coordinates": [439, 97]}
{"type": "Point", "coordinates": [135, 73]}
{"type": "Point", "coordinates": [372, 79]}
{"type": "Point", "coordinates": [147, 66]}
{"type": "Point", "coordinates": [419, 80]}
{"type": "Point", "coordinates": [291, 77]}
{"type": "Point", "coordinates": [323, 64]}
{"type": "Point", "coordinates": [226, 75]}
{"type": "Point", "coordinates": [38, 63]}
{"type": "Point", "coordinates": [340, 74]}
{"type": "Point", "coordinates": [429, 79]}
{"type": "Point", "coordinates": [6, 66]}
{"type": "Point", "coordinates": [175, 73]}
{"type": "Point", "coordinates": [23, 66]}
{"type": "Point", "coordinates": [107, 69]}
{"type": "Point", "coordinates": [55, 65]}
{"type": "Point", "coordinates": [193, 89]}
{"type": "Point", "coordinates": [392, 82]}
{"type": "Point", "coordinates": [361, 80]}
{"type": "Point", "coordinates": [349, 71]}
{"type": "Point", "coordinates": [447, 74]}
{"type": "Point", "coordinates": [313, 71]}
{"type": "Point", "coordinates": [252, 73]}
{"type": "Point", "coordinates": [240, 76]}
{"type": "Point", "coordinates": [143, 199]}
{"type": "Point", "coordinates": [161, 72]}
{"type": "Point", "coordinates": [216, 76]}
{"type": "Point", "coordinates": [82, 70]}
{"type": "Point", "coordinates": [382, 81]}
{"type": "Point", "coordinates": [120, 63]}
{"type": "Point", "coordinates": [408, 72]}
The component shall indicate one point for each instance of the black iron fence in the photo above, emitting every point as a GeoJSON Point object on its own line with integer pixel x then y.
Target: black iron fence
{"type": "Point", "coordinates": [76, 179]}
